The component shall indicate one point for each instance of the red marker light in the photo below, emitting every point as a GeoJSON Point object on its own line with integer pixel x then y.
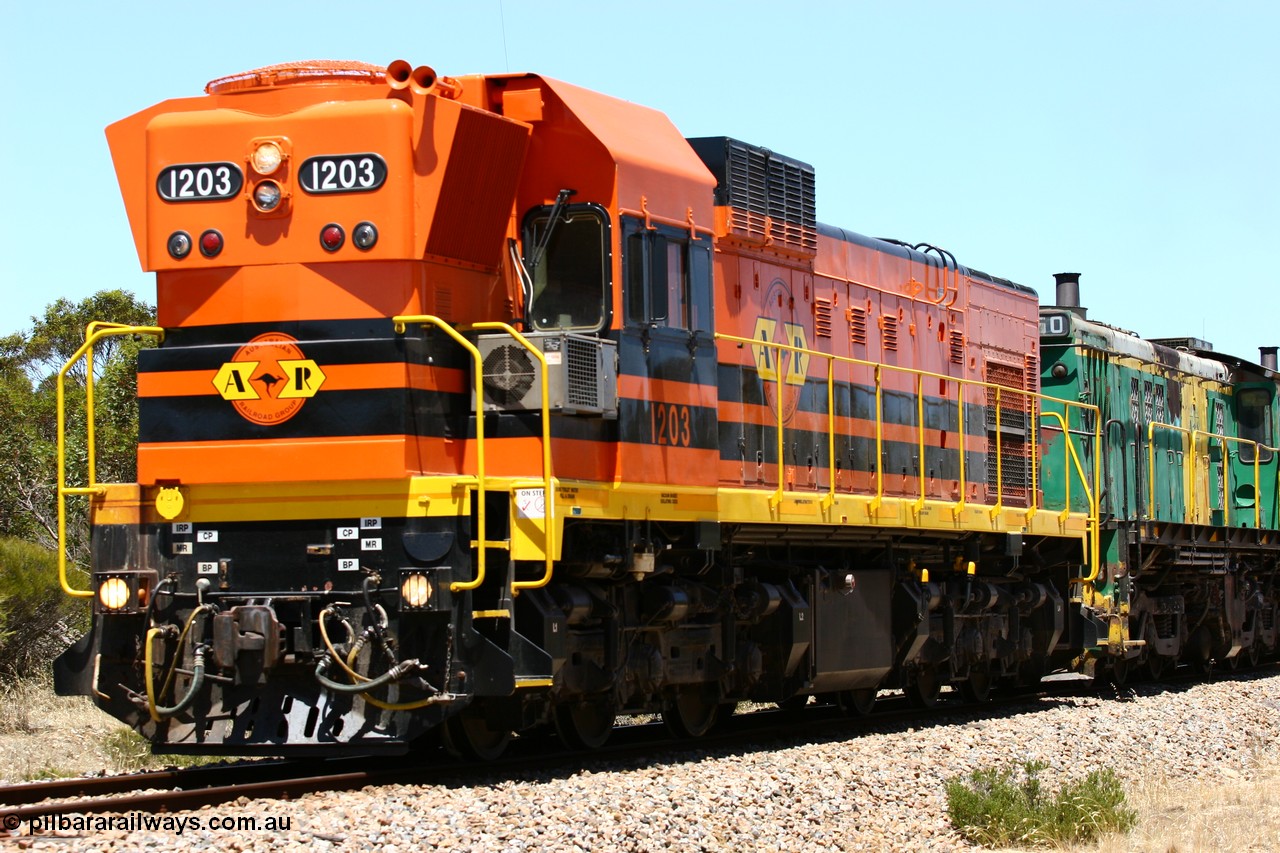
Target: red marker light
{"type": "Point", "coordinates": [210, 243]}
{"type": "Point", "coordinates": [332, 237]}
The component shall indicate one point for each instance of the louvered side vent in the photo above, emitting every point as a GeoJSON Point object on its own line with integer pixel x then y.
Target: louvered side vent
{"type": "Point", "coordinates": [792, 208]}
{"type": "Point", "coordinates": [822, 311]}
{"type": "Point", "coordinates": [957, 347]}
{"type": "Point", "coordinates": [582, 366]}
{"type": "Point", "coordinates": [1014, 408]}
{"type": "Point", "coordinates": [748, 193]}
{"type": "Point", "coordinates": [771, 197]}
{"type": "Point", "coordinates": [1009, 472]}
{"type": "Point", "coordinates": [889, 332]}
{"type": "Point", "coordinates": [857, 325]}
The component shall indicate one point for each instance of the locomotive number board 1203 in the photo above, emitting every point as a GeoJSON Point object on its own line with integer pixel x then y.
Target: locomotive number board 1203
{"type": "Point", "coordinates": [199, 181]}
{"type": "Point", "coordinates": [342, 173]}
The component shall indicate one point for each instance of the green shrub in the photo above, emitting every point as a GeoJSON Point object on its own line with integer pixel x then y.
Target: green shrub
{"type": "Point", "coordinates": [1002, 807]}
{"type": "Point", "coordinates": [130, 752]}
{"type": "Point", "coordinates": [37, 619]}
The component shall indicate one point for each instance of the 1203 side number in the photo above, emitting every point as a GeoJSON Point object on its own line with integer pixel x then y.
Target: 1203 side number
{"type": "Point", "coordinates": [669, 424]}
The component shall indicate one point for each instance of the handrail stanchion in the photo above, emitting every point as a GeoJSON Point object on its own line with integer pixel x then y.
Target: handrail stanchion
{"type": "Point", "coordinates": [94, 332]}
{"type": "Point", "coordinates": [874, 507]}
{"type": "Point", "coordinates": [549, 518]}
{"type": "Point", "coordinates": [400, 324]}
{"type": "Point", "coordinates": [830, 499]}
{"type": "Point", "coordinates": [919, 504]}
{"type": "Point", "coordinates": [1033, 436]}
{"type": "Point", "coordinates": [1091, 496]}
{"type": "Point", "coordinates": [958, 508]}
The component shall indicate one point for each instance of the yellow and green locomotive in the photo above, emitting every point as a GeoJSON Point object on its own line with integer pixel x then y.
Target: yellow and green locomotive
{"type": "Point", "coordinates": [1188, 499]}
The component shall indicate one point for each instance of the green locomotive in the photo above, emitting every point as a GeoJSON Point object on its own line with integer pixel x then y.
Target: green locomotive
{"type": "Point", "coordinates": [1188, 490]}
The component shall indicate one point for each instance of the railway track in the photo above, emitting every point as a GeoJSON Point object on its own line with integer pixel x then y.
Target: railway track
{"type": "Point", "coordinates": [191, 788]}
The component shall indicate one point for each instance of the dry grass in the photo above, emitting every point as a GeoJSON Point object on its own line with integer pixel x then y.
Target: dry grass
{"type": "Point", "coordinates": [45, 736]}
{"type": "Point", "coordinates": [1236, 814]}
{"type": "Point", "coordinates": [1239, 811]}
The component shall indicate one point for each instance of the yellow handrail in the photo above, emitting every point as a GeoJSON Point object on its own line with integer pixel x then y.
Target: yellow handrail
{"type": "Point", "coordinates": [94, 332]}
{"type": "Point", "coordinates": [919, 504]}
{"type": "Point", "coordinates": [958, 507]}
{"type": "Point", "coordinates": [1032, 506]}
{"type": "Point", "coordinates": [549, 518]}
{"type": "Point", "coordinates": [875, 502]}
{"type": "Point", "coordinates": [1033, 401]}
{"type": "Point", "coordinates": [1189, 484]}
{"type": "Point", "coordinates": [1226, 475]}
{"type": "Point", "coordinates": [400, 324]}
{"type": "Point", "coordinates": [1095, 523]}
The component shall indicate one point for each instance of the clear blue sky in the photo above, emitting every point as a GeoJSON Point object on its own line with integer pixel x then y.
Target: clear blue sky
{"type": "Point", "coordinates": [1132, 142]}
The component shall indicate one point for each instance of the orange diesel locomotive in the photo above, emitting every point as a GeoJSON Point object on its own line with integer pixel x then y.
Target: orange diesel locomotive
{"type": "Point", "coordinates": [492, 403]}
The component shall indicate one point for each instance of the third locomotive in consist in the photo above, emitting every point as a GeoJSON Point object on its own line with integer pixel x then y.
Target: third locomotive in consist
{"type": "Point", "coordinates": [490, 404]}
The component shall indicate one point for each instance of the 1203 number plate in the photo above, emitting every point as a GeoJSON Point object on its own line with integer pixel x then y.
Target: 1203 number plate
{"type": "Point", "coordinates": [199, 182]}
{"type": "Point", "coordinates": [342, 173]}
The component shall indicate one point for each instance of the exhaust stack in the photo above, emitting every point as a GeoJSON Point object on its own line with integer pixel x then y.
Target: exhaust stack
{"type": "Point", "coordinates": [1068, 294]}
{"type": "Point", "coordinates": [1268, 357]}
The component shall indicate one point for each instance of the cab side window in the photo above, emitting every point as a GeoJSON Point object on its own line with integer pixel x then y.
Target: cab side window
{"type": "Point", "coordinates": [1253, 415]}
{"type": "Point", "coordinates": [668, 278]}
{"type": "Point", "coordinates": [571, 277]}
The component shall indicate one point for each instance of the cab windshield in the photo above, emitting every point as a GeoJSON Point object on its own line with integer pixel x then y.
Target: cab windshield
{"type": "Point", "coordinates": [571, 276]}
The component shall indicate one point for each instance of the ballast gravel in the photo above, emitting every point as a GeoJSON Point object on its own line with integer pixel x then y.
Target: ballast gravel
{"type": "Point", "coordinates": [878, 788]}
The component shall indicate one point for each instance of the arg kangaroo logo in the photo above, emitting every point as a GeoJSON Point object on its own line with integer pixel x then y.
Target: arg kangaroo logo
{"type": "Point", "coordinates": [268, 379]}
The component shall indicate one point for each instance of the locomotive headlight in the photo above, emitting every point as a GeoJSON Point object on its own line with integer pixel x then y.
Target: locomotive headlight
{"type": "Point", "coordinates": [415, 591]}
{"type": "Point", "coordinates": [179, 245]}
{"type": "Point", "coordinates": [266, 158]}
{"type": "Point", "coordinates": [114, 594]}
{"type": "Point", "coordinates": [266, 195]}
{"type": "Point", "coordinates": [365, 235]}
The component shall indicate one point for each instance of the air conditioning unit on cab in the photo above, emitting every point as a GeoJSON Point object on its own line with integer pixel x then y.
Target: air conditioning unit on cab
{"type": "Point", "coordinates": [582, 374]}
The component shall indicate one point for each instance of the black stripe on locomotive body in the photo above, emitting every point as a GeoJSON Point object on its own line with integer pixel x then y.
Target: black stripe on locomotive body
{"type": "Point", "coordinates": [740, 384]}
{"type": "Point", "coordinates": [399, 410]}
{"type": "Point", "coordinates": [369, 340]}
{"type": "Point", "coordinates": [666, 354]}
{"type": "Point", "coordinates": [856, 454]}
{"type": "Point", "coordinates": [393, 411]}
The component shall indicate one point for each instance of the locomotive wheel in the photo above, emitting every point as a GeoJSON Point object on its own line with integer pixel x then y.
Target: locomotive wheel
{"type": "Point", "coordinates": [1157, 666]}
{"type": "Point", "coordinates": [468, 735]}
{"type": "Point", "coordinates": [856, 703]}
{"type": "Point", "coordinates": [692, 711]}
{"type": "Point", "coordinates": [925, 687]}
{"type": "Point", "coordinates": [585, 725]}
{"type": "Point", "coordinates": [977, 688]}
{"type": "Point", "coordinates": [1254, 654]}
